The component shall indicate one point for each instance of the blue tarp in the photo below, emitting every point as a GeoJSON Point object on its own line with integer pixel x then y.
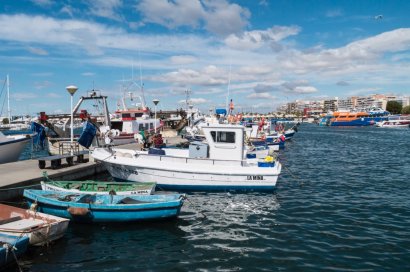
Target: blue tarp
{"type": "Point", "coordinates": [88, 134]}
{"type": "Point", "coordinates": [220, 111]}
{"type": "Point", "coordinates": [40, 135]}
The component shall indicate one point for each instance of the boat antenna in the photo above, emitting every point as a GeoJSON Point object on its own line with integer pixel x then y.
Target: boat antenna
{"type": "Point", "coordinates": [229, 84]}
{"type": "Point", "coordinates": [141, 84]}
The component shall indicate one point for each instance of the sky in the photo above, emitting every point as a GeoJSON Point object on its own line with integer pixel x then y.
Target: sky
{"type": "Point", "coordinates": [260, 53]}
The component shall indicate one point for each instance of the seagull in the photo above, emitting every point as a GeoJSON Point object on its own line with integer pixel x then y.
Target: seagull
{"type": "Point", "coordinates": [378, 17]}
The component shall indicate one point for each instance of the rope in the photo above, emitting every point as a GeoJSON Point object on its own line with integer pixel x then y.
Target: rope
{"type": "Point", "coordinates": [293, 175]}
{"type": "Point", "coordinates": [193, 206]}
{"type": "Point", "coordinates": [11, 202]}
{"type": "Point", "coordinates": [187, 199]}
{"type": "Point", "coordinates": [20, 187]}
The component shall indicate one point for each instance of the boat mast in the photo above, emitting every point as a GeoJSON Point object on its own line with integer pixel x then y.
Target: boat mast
{"type": "Point", "coordinates": [8, 98]}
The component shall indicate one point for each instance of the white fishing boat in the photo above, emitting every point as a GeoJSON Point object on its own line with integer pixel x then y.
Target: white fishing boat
{"type": "Point", "coordinates": [221, 164]}
{"type": "Point", "coordinates": [11, 146]}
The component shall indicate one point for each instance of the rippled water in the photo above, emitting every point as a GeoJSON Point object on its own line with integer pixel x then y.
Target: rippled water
{"type": "Point", "coordinates": [342, 204]}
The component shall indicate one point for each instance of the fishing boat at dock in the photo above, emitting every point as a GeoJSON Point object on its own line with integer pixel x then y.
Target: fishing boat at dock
{"type": "Point", "coordinates": [40, 228]}
{"type": "Point", "coordinates": [97, 187]}
{"type": "Point", "coordinates": [11, 146]}
{"type": "Point", "coordinates": [97, 208]}
{"type": "Point", "coordinates": [220, 164]}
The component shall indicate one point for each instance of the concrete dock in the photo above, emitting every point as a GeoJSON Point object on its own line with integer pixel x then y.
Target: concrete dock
{"type": "Point", "coordinates": [16, 176]}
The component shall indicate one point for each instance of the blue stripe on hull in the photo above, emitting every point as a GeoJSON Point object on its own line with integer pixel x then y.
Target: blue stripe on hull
{"type": "Point", "coordinates": [110, 216]}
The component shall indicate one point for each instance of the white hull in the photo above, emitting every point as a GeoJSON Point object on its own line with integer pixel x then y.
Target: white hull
{"type": "Point", "coordinates": [49, 187]}
{"type": "Point", "coordinates": [11, 149]}
{"type": "Point", "coordinates": [181, 173]}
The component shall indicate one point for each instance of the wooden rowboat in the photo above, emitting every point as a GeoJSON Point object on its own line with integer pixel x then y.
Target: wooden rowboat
{"type": "Point", "coordinates": [38, 227]}
{"type": "Point", "coordinates": [98, 187]}
{"type": "Point", "coordinates": [105, 208]}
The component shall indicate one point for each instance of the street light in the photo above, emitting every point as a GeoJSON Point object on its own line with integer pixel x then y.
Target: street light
{"type": "Point", "coordinates": [155, 101]}
{"type": "Point", "coordinates": [71, 90]}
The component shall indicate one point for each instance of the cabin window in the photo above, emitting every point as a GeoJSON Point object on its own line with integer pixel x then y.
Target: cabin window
{"type": "Point", "coordinates": [223, 136]}
{"type": "Point", "coordinates": [147, 126]}
{"type": "Point", "coordinates": [151, 126]}
{"type": "Point", "coordinates": [141, 127]}
{"type": "Point", "coordinates": [138, 114]}
{"type": "Point", "coordinates": [126, 115]}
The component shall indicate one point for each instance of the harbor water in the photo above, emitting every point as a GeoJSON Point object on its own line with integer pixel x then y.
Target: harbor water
{"type": "Point", "coordinates": [342, 204]}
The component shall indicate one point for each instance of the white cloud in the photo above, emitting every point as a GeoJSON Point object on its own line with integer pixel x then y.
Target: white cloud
{"type": "Point", "coordinates": [251, 40]}
{"type": "Point", "coordinates": [42, 84]}
{"type": "Point", "coordinates": [23, 96]}
{"type": "Point", "coordinates": [357, 56]}
{"type": "Point", "coordinates": [334, 13]}
{"type": "Point", "coordinates": [209, 76]}
{"type": "Point", "coordinates": [305, 89]}
{"type": "Point", "coordinates": [183, 59]}
{"type": "Point", "coordinates": [195, 101]}
{"type": "Point", "coordinates": [260, 96]}
{"type": "Point", "coordinates": [54, 95]}
{"type": "Point", "coordinates": [217, 16]}
{"type": "Point", "coordinates": [105, 8]}
{"type": "Point", "coordinates": [87, 74]}
{"type": "Point", "coordinates": [43, 3]}
{"type": "Point", "coordinates": [38, 51]}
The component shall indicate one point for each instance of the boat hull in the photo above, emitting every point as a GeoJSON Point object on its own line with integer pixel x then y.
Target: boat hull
{"type": "Point", "coordinates": [159, 207]}
{"type": "Point", "coordinates": [19, 243]}
{"type": "Point", "coordinates": [193, 177]}
{"type": "Point", "coordinates": [10, 151]}
{"type": "Point", "coordinates": [40, 228]}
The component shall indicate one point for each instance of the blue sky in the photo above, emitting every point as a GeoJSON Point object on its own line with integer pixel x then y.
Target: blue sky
{"type": "Point", "coordinates": [264, 52]}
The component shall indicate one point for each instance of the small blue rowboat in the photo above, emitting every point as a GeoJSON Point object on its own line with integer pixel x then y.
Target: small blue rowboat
{"type": "Point", "coordinates": [11, 247]}
{"type": "Point", "coordinates": [105, 208]}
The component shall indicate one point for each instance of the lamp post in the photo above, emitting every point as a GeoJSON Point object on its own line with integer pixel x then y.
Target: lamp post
{"type": "Point", "coordinates": [155, 101]}
{"type": "Point", "coordinates": [71, 90]}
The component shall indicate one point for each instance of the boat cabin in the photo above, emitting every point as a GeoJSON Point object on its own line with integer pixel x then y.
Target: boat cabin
{"type": "Point", "coordinates": [226, 142]}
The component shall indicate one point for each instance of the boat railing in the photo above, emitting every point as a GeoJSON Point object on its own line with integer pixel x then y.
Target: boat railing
{"type": "Point", "coordinates": [188, 160]}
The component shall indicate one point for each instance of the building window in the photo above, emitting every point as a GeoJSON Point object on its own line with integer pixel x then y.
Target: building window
{"type": "Point", "coordinates": [223, 137]}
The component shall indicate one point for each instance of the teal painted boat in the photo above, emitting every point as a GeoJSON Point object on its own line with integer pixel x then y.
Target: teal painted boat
{"type": "Point", "coordinates": [105, 208]}
{"type": "Point", "coordinates": [98, 187]}
{"type": "Point", "coordinates": [11, 247]}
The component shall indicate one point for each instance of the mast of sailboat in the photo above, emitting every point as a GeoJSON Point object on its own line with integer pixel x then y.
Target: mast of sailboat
{"type": "Point", "coordinates": [8, 98]}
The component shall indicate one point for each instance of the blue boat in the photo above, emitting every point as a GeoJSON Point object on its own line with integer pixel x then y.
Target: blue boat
{"type": "Point", "coordinates": [105, 208]}
{"type": "Point", "coordinates": [11, 245]}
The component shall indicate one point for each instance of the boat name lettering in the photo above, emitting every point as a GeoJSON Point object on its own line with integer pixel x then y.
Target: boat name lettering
{"type": "Point", "coordinates": [125, 170]}
{"type": "Point", "coordinates": [255, 178]}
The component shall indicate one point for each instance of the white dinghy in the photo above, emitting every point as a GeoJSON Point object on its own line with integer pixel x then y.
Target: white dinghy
{"type": "Point", "coordinates": [219, 165]}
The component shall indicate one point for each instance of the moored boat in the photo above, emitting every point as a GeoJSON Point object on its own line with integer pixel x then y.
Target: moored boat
{"type": "Point", "coordinates": [11, 146]}
{"type": "Point", "coordinates": [94, 208]}
{"type": "Point", "coordinates": [221, 164]}
{"type": "Point", "coordinates": [98, 187]}
{"type": "Point", "coordinates": [357, 118]}
{"type": "Point", "coordinates": [11, 247]}
{"type": "Point", "coordinates": [40, 228]}
{"type": "Point", "coordinates": [395, 122]}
